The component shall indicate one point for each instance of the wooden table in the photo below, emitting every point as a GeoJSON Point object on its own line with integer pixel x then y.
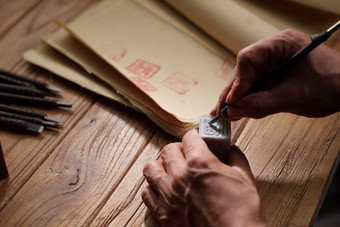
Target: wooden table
{"type": "Point", "coordinates": [90, 171]}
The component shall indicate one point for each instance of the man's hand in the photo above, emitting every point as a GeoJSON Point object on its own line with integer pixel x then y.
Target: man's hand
{"type": "Point", "coordinates": [311, 88]}
{"type": "Point", "coordinates": [189, 186]}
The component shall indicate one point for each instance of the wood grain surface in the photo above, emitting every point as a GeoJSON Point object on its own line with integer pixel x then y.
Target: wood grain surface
{"type": "Point", "coordinates": [89, 173]}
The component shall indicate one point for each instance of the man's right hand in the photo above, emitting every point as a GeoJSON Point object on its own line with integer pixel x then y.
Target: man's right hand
{"type": "Point", "coordinates": [311, 88]}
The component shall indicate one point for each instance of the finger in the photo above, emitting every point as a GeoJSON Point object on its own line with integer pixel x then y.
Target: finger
{"type": "Point", "coordinates": [196, 151]}
{"type": "Point", "coordinates": [262, 57]}
{"type": "Point", "coordinates": [173, 159]}
{"type": "Point", "coordinates": [155, 174]}
{"type": "Point", "coordinates": [221, 102]}
{"type": "Point", "coordinates": [150, 198]}
{"type": "Point", "coordinates": [243, 75]}
{"type": "Point", "coordinates": [238, 161]}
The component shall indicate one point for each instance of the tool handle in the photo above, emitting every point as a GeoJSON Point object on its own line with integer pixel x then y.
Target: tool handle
{"type": "Point", "coordinates": [36, 83]}
{"type": "Point", "coordinates": [9, 123]}
{"type": "Point", "coordinates": [21, 117]}
{"type": "Point", "coordinates": [9, 80]}
{"type": "Point", "coordinates": [28, 101]}
{"type": "Point", "coordinates": [15, 89]}
{"type": "Point", "coordinates": [22, 111]}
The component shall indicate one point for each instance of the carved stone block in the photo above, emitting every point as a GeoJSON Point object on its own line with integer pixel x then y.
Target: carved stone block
{"type": "Point", "coordinates": [216, 135]}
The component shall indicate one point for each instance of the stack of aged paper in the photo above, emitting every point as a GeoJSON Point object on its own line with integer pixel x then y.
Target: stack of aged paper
{"type": "Point", "coordinates": [168, 59]}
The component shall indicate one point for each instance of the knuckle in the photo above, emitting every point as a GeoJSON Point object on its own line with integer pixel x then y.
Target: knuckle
{"type": "Point", "coordinates": [176, 177]}
{"type": "Point", "coordinates": [148, 167]}
{"type": "Point", "coordinates": [164, 220]}
{"type": "Point", "coordinates": [243, 53]}
{"type": "Point", "coordinates": [144, 193]}
{"type": "Point", "coordinates": [179, 185]}
{"type": "Point", "coordinates": [243, 56]}
{"type": "Point", "coordinates": [145, 196]}
{"type": "Point", "coordinates": [288, 32]}
{"type": "Point", "coordinates": [289, 36]}
{"type": "Point", "coordinates": [168, 149]}
{"type": "Point", "coordinates": [196, 160]}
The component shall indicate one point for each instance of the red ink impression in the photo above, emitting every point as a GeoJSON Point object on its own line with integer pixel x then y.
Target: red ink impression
{"type": "Point", "coordinates": [224, 70]}
{"type": "Point", "coordinates": [141, 83]}
{"type": "Point", "coordinates": [114, 53]}
{"type": "Point", "coordinates": [179, 83]}
{"type": "Point", "coordinates": [143, 68]}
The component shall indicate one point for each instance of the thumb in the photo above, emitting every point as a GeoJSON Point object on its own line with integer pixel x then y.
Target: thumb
{"type": "Point", "coordinates": [238, 160]}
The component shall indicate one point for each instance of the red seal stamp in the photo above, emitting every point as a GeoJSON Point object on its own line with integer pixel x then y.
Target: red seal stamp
{"type": "Point", "coordinates": [142, 84]}
{"type": "Point", "coordinates": [179, 83]}
{"type": "Point", "coordinates": [224, 70]}
{"type": "Point", "coordinates": [114, 53]}
{"type": "Point", "coordinates": [143, 68]}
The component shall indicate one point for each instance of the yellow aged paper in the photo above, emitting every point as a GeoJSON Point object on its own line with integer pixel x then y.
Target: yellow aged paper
{"type": "Point", "coordinates": [288, 14]}
{"type": "Point", "coordinates": [180, 74]}
{"type": "Point", "coordinates": [45, 57]}
{"type": "Point", "coordinates": [237, 24]}
{"type": "Point", "coordinates": [326, 5]}
{"type": "Point", "coordinates": [74, 50]}
{"type": "Point", "coordinates": [228, 22]}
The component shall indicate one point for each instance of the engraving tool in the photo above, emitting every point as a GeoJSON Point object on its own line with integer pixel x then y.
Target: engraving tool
{"type": "Point", "coordinates": [316, 40]}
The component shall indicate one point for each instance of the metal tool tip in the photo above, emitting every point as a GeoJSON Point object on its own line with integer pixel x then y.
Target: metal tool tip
{"type": "Point", "coordinates": [50, 124]}
{"type": "Point", "coordinates": [54, 119]}
{"type": "Point", "coordinates": [53, 89]}
{"type": "Point", "coordinates": [215, 119]}
{"type": "Point", "coordinates": [334, 27]}
{"type": "Point", "coordinates": [61, 104]}
{"type": "Point", "coordinates": [35, 128]}
{"type": "Point", "coordinates": [222, 113]}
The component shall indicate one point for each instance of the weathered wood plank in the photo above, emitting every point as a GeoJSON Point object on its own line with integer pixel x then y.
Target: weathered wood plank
{"type": "Point", "coordinates": [12, 11]}
{"type": "Point", "coordinates": [291, 158]}
{"type": "Point", "coordinates": [125, 207]}
{"type": "Point", "coordinates": [37, 22]}
{"type": "Point", "coordinates": [25, 153]}
{"type": "Point", "coordinates": [85, 169]}
{"type": "Point", "coordinates": [90, 172]}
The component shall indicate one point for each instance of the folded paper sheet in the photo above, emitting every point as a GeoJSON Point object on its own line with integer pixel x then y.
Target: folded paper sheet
{"type": "Point", "coordinates": [55, 62]}
{"type": "Point", "coordinates": [327, 5]}
{"type": "Point", "coordinates": [176, 71]}
{"type": "Point", "coordinates": [76, 51]}
{"type": "Point", "coordinates": [237, 24]}
{"type": "Point", "coordinates": [227, 21]}
{"type": "Point", "coordinates": [155, 59]}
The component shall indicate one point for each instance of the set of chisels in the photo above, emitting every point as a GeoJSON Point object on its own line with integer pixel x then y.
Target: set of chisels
{"type": "Point", "coordinates": [17, 90]}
